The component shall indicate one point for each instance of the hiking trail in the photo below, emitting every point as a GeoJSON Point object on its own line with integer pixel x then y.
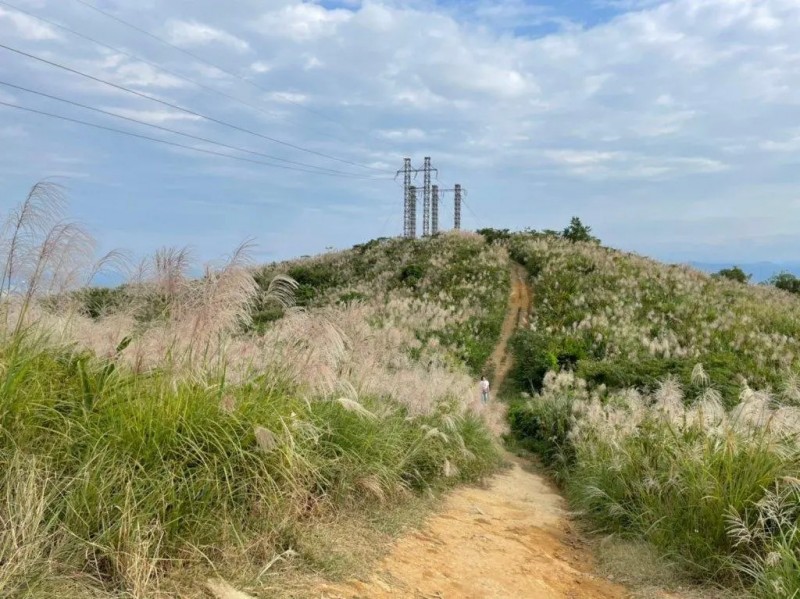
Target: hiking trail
{"type": "Point", "coordinates": [519, 306]}
{"type": "Point", "coordinates": [511, 539]}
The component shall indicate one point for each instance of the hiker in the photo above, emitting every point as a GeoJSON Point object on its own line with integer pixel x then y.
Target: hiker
{"type": "Point", "coordinates": [484, 390]}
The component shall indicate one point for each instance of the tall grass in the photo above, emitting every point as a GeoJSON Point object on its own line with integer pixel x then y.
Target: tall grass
{"type": "Point", "coordinates": [157, 434]}
{"type": "Point", "coordinates": [666, 402]}
{"type": "Point", "coordinates": [708, 486]}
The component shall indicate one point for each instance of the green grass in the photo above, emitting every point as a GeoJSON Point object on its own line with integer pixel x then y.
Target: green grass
{"type": "Point", "coordinates": [141, 466]}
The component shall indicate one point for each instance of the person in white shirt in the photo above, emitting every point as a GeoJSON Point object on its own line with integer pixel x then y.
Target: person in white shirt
{"type": "Point", "coordinates": [484, 390]}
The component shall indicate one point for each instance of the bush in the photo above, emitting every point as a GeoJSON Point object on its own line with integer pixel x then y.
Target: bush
{"type": "Point", "coordinates": [577, 231]}
{"type": "Point", "coordinates": [542, 426]}
{"type": "Point", "coordinates": [412, 274]}
{"type": "Point", "coordinates": [734, 274]}
{"type": "Point", "coordinates": [786, 281]}
{"type": "Point", "coordinates": [532, 360]}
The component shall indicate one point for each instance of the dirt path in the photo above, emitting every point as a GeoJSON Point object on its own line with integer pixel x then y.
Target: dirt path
{"type": "Point", "coordinates": [510, 540]}
{"type": "Point", "coordinates": [519, 305]}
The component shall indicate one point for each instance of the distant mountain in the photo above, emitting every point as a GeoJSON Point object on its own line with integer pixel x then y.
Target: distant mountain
{"type": "Point", "coordinates": [761, 271]}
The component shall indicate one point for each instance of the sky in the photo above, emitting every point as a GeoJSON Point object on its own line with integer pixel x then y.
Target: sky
{"type": "Point", "coordinates": [671, 127]}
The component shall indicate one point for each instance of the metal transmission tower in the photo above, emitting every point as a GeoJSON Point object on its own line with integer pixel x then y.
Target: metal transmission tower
{"type": "Point", "coordinates": [409, 214]}
{"type": "Point", "coordinates": [458, 193]}
{"type": "Point", "coordinates": [434, 209]}
{"type": "Point", "coordinates": [457, 206]}
{"type": "Point", "coordinates": [426, 195]}
{"type": "Point", "coordinates": [412, 212]}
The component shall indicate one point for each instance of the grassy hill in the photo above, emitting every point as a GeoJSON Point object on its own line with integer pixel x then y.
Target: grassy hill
{"type": "Point", "coordinates": [169, 429]}
{"type": "Point", "coordinates": [666, 401]}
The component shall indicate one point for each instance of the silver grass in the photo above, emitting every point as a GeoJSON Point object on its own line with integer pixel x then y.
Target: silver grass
{"type": "Point", "coordinates": [372, 485]}
{"type": "Point", "coordinates": [449, 469]}
{"type": "Point", "coordinates": [25, 225]}
{"type": "Point", "coordinates": [353, 406]}
{"type": "Point", "coordinates": [266, 440]}
{"type": "Point", "coordinates": [170, 268]}
{"type": "Point", "coordinates": [699, 376]}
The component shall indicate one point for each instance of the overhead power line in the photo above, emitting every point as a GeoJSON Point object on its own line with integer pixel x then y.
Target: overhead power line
{"type": "Point", "coordinates": [162, 141]}
{"type": "Point", "coordinates": [197, 57]}
{"type": "Point", "coordinates": [146, 61]}
{"type": "Point", "coordinates": [183, 109]}
{"type": "Point", "coordinates": [181, 133]}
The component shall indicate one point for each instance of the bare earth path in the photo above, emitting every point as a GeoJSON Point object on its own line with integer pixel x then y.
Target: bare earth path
{"type": "Point", "coordinates": [519, 305]}
{"type": "Point", "coordinates": [509, 540]}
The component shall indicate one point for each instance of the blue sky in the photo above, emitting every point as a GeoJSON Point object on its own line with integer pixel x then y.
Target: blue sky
{"type": "Point", "coordinates": [672, 127]}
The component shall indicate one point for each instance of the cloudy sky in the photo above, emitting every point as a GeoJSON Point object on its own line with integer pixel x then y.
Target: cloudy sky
{"type": "Point", "coordinates": [671, 127]}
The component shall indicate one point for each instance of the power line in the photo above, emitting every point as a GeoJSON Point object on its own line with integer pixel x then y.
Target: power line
{"type": "Point", "coordinates": [133, 56]}
{"type": "Point", "coordinates": [181, 133]}
{"type": "Point", "coordinates": [157, 140]}
{"type": "Point", "coordinates": [463, 201]}
{"type": "Point", "coordinates": [197, 57]}
{"type": "Point", "coordinates": [182, 109]}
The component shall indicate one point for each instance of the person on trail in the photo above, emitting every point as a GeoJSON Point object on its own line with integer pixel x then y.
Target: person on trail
{"type": "Point", "coordinates": [484, 390]}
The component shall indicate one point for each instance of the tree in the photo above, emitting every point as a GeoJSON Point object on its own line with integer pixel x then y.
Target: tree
{"type": "Point", "coordinates": [734, 274]}
{"type": "Point", "coordinates": [577, 231]}
{"type": "Point", "coordinates": [786, 281]}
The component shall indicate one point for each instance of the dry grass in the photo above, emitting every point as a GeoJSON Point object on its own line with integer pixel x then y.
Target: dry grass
{"type": "Point", "coordinates": [648, 575]}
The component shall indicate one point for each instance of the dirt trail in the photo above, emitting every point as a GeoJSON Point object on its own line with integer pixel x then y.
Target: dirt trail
{"type": "Point", "coordinates": [519, 305]}
{"type": "Point", "coordinates": [510, 540]}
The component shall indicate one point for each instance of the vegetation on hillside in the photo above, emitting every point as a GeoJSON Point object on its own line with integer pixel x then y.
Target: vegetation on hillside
{"type": "Point", "coordinates": [621, 321]}
{"type": "Point", "coordinates": [667, 402]}
{"type": "Point", "coordinates": [156, 427]}
{"type": "Point", "coordinates": [450, 290]}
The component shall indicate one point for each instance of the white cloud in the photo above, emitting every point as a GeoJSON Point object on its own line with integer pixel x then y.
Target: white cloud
{"type": "Point", "coordinates": [140, 74]}
{"type": "Point", "coordinates": [260, 67]}
{"type": "Point", "coordinates": [403, 134]}
{"type": "Point", "coordinates": [28, 28]}
{"type": "Point", "coordinates": [288, 97]}
{"type": "Point", "coordinates": [302, 22]}
{"type": "Point", "coordinates": [595, 164]}
{"type": "Point", "coordinates": [788, 144]}
{"type": "Point", "coordinates": [192, 33]}
{"type": "Point", "coordinates": [580, 158]}
{"type": "Point", "coordinates": [156, 117]}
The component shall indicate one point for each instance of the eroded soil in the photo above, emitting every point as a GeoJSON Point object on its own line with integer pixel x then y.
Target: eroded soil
{"type": "Point", "coordinates": [509, 540]}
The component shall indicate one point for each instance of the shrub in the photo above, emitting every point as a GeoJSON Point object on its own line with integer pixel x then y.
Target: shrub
{"type": "Point", "coordinates": [734, 274]}
{"type": "Point", "coordinates": [412, 274]}
{"type": "Point", "coordinates": [532, 360]}
{"type": "Point", "coordinates": [786, 281]}
{"type": "Point", "coordinates": [577, 231]}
